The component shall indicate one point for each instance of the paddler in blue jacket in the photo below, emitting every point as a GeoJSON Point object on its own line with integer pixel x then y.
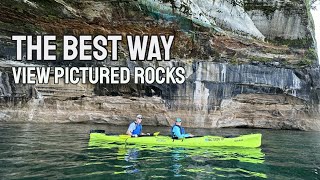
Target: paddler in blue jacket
{"type": "Point", "coordinates": [177, 132]}
{"type": "Point", "coordinates": [135, 128]}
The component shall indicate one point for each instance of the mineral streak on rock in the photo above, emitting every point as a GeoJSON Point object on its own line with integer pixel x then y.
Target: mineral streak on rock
{"type": "Point", "coordinates": [248, 63]}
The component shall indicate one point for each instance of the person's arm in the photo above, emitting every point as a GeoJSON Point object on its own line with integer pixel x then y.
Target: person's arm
{"type": "Point", "coordinates": [130, 129]}
{"type": "Point", "coordinates": [176, 131]}
{"type": "Point", "coordinates": [142, 132]}
{"type": "Point", "coordinates": [128, 132]}
{"type": "Point", "coordinates": [186, 135]}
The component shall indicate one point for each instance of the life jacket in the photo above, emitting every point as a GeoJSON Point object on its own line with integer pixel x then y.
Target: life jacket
{"type": "Point", "coordinates": [138, 129]}
{"type": "Point", "coordinates": [181, 131]}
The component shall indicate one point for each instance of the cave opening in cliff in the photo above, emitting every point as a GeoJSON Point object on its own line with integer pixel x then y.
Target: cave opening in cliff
{"type": "Point", "coordinates": [152, 91]}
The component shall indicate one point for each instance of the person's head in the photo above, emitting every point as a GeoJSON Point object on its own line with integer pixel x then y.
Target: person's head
{"type": "Point", "coordinates": [139, 118]}
{"type": "Point", "coordinates": [178, 121]}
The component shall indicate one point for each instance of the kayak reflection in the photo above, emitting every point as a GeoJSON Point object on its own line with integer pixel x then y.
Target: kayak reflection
{"type": "Point", "coordinates": [216, 161]}
{"type": "Point", "coordinates": [252, 155]}
{"type": "Point", "coordinates": [204, 160]}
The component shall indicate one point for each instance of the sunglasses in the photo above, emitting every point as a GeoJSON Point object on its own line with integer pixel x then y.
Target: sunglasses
{"type": "Point", "coordinates": [139, 118]}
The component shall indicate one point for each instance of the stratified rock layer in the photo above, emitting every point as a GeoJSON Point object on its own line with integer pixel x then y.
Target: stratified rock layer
{"type": "Point", "coordinates": [248, 63]}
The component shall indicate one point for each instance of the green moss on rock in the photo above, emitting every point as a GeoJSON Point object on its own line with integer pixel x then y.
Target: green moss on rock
{"type": "Point", "coordinates": [260, 59]}
{"type": "Point", "coordinates": [256, 5]}
{"type": "Point", "coordinates": [311, 54]}
{"type": "Point", "coordinates": [294, 43]}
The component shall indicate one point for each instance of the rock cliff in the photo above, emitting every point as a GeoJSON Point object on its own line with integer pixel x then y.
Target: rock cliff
{"type": "Point", "coordinates": [248, 63]}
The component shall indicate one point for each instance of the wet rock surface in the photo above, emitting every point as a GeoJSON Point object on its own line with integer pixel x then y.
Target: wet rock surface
{"type": "Point", "coordinates": [247, 64]}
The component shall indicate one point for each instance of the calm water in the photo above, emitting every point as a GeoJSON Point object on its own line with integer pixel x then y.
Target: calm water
{"type": "Point", "coordinates": [53, 151]}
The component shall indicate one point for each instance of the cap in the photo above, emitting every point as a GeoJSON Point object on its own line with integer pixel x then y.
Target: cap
{"type": "Point", "coordinates": [139, 116]}
{"type": "Point", "coordinates": [178, 120]}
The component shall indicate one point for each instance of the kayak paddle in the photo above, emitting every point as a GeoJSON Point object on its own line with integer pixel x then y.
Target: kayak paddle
{"type": "Point", "coordinates": [156, 133]}
{"type": "Point", "coordinates": [125, 136]}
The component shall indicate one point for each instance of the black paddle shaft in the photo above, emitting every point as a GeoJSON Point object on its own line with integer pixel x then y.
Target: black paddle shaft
{"type": "Point", "coordinates": [97, 131]}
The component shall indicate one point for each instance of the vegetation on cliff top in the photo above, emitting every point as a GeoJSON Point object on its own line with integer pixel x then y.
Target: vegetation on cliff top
{"type": "Point", "coordinates": [192, 41]}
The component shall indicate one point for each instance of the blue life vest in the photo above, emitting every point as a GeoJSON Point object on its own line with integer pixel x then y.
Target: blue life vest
{"type": "Point", "coordinates": [181, 131]}
{"type": "Point", "coordinates": [138, 129]}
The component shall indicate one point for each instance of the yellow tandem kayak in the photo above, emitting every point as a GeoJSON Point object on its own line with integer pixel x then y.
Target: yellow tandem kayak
{"type": "Point", "coordinates": [250, 140]}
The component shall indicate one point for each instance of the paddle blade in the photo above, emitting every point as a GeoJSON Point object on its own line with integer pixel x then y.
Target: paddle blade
{"type": "Point", "coordinates": [124, 136]}
{"type": "Point", "coordinates": [156, 133]}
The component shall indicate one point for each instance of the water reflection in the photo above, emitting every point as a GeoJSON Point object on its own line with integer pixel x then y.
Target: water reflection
{"type": "Point", "coordinates": [177, 156]}
{"type": "Point", "coordinates": [216, 161]}
{"type": "Point", "coordinates": [184, 162]}
{"type": "Point", "coordinates": [42, 151]}
{"type": "Point", "coordinates": [131, 156]}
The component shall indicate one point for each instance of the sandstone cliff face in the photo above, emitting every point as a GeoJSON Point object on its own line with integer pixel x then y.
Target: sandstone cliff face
{"type": "Point", "coordinates": [248, 63]}
{"type": "Point", "coordinates": [280, 19]}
